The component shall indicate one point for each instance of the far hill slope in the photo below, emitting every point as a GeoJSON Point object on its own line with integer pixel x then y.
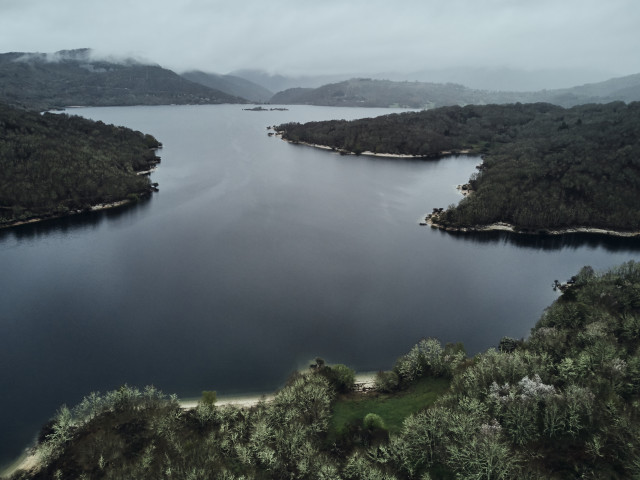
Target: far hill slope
{"type": "Point", "coordinates": [626, 89]}
{"type": "Point", "coordinates": [277, 83]}
{"type": "Point", "coordinates": [75, 77]}
{"type": "Point", "coordinates": [366, 92]}
{"type": "Point", "coordinates": [231, 85]}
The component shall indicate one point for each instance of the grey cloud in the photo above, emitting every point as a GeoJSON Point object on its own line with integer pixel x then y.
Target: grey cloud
{"type": "Point", "coordinates": [298, 37]}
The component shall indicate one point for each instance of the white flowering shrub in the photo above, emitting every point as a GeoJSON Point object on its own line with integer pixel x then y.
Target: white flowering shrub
{"type": "Point", "coordinates": [533, 388]}
{"type": "Point", "coordinates": [428, 357]}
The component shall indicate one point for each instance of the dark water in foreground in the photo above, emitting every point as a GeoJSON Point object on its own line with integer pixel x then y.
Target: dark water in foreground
{"type": "Point", "coordinates": [255, 257]}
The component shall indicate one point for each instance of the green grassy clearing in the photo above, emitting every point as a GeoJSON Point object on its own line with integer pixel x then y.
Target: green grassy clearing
{"type": "Point", "coordinates": [393, 408]}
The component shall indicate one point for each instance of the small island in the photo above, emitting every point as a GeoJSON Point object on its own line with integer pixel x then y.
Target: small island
{"type": "Point", "coordinates": [55, 165]}
{"type": "Point", "coordinates": [262, 109]}
{"type": "Point", "coordinates": [545, 169]}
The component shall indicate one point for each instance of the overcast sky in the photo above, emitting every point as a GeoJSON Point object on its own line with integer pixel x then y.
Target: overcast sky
{"type": "Point", "coordinates": [335, 36]}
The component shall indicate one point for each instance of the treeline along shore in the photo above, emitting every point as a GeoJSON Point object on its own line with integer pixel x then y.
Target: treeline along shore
{"type": "Point", "coordinates": [562, 404]}
{"type": "Point", "coordinates": [545, 168]}
{"type": "Point", "coordinates": [55, 165]}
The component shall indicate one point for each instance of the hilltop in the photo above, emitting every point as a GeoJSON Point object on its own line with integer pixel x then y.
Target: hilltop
{"type": "Point", "coordinates": [42, 81]}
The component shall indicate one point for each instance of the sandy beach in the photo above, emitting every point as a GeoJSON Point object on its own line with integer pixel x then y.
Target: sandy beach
{"type": "Point", "coordinates": [242, 401]}
{"type": "Point", "coordinates": [363, 381]}
{"type": "Point", "coordinates": [507, 227]}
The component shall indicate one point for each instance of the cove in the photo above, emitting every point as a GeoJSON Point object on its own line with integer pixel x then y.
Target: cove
{"type": "Point", "coordinates": [254, 257]}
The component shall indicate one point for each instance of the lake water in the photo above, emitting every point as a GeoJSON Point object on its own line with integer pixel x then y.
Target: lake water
{"type": "Point", "coordinates": [255, 257]}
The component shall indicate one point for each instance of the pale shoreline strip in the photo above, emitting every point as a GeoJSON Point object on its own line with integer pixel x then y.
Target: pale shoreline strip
{"type": "Point", "coordinates": [242, 401]}
{"type": "Point", "coordinates": [92, 208]}
{"type": "Point", "coordinates": [369, 153]}
{"type": "Point", "coordinates": [507, 227]}
{"type": "Point", "coordinates": [366, 379]}
{"type": "Point", "coordinates": [498, 226]}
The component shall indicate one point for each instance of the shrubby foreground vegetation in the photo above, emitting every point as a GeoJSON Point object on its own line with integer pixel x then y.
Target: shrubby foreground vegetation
{"type": "Point", "coordinates": [545, 167]}
{"type": "Point", "coordinates": [563, 403]}
{"type": "Point", "coordinates": [56, 164]}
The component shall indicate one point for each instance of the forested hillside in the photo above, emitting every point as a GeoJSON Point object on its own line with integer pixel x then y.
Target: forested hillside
{"type": "Point", "coordinates": [545, 167]}
{"type": "Point", "coordinates": [563, 404]}
{"type": "Point", "coordinates": [43, 81]}
{"type": "Point", "coordinates": [56, 164]}
{"type": "Point", "coordinates": [367, 92]}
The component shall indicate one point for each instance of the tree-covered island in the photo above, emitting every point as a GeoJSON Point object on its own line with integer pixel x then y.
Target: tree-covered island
{"type": "Point", "coordinates": [55, 164]}
{"type": "Point", "coordinates": [562, 404]}
{"type": "Point", "coordinates": [545, 167]}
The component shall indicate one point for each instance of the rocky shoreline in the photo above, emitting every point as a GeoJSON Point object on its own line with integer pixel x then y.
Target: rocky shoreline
{"type": "Point", "coordinates": [92, 208]}
{"type": "Point", "coordinates": [431, 220]}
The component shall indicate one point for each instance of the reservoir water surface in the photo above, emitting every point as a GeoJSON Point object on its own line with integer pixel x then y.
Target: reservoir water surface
{"type": "Point", "coordinates": [255, 257]}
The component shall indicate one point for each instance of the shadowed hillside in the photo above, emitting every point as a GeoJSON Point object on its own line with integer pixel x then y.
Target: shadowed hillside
{"type": "Point", "coordinates": [43, 81]}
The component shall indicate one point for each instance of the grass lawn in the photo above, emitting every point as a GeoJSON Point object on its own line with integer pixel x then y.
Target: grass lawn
{"type": "Point", "coordinates": [393, 407]}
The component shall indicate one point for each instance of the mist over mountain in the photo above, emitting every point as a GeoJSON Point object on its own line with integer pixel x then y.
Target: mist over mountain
{"type": "Point", "coordinates": [505, 79]}
{"type": "Point", "coordinates": [502, 78]}
{"type": "Point", "coordinates": [279, 82]}
{"type": "Point", "coordinates": [83, 77]}
{"type": "Point", "coordinates": [231, 85]}
{"type": "Point", "coordinates": [78, 77]}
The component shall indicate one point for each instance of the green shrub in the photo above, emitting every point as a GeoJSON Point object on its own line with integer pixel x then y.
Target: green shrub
{"type": "Point", "coordinates": [209, 397]}
{"type": "Point", "coordinates": [373, 421]}
{"type": "Point", "coordinates": [342, 377]}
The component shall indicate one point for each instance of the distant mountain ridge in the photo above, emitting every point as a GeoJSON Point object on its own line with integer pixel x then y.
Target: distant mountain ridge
{"type": "Point", "coordinates": [75, 77]}
{"type": "Point", "coordinates": [231, 85]}
{"type": "Point", "coordinates": [80, 77]}
{"type": "Point", "coordinates": [625, 88]}
{"type": "Point", "coordinates": [278, 83]}
{"type": "Point", "coordinates": [367, 92]}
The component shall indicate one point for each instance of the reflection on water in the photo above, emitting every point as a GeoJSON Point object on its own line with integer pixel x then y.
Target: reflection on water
{"type": "Point", "coordinates": [83, 221]}
{"type": "Point", "coordinates": [571, 241]}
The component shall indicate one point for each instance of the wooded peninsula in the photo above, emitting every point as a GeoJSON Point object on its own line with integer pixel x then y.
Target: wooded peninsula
{"type": "Point", "coordinates": [56, 164]}
{"type": "Point", "coordinates": [545, 167]}
{"type": "Point", "coordinates": [561, 404]}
